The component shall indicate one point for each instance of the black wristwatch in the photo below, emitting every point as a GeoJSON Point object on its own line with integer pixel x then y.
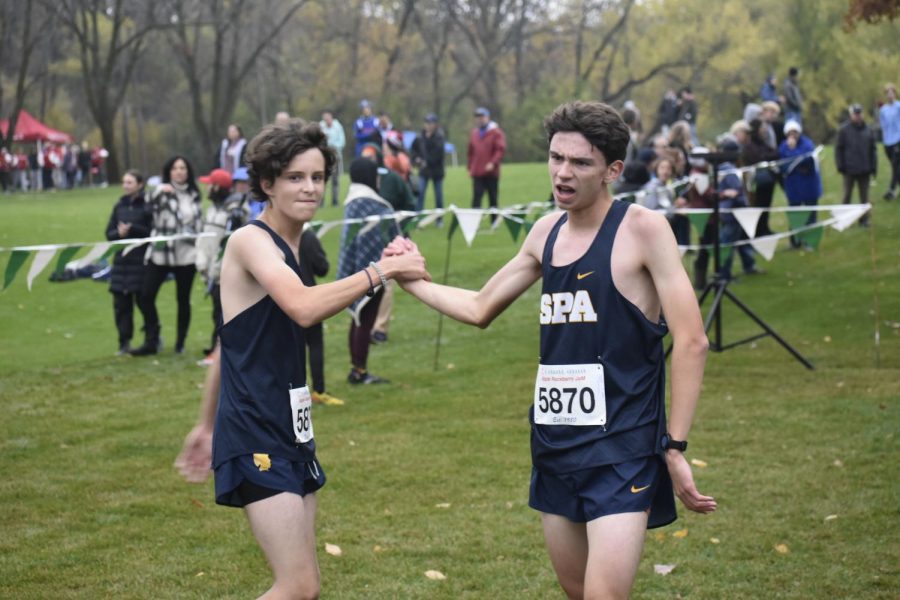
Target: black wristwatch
{"type": "Point", "coordinates": [669, 444]}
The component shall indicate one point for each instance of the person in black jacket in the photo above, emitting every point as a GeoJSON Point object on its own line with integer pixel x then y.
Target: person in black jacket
{"type": "Point", "coordinates": [756, 151]}
{"type": "Point", "coordinates": [131, 218]}
{"type": "Point", "coordinates": [314, 263]}
{"type": "Point", "coordinates": [428, 156]}
{"type": "Point", "coordinates": [856, 156]}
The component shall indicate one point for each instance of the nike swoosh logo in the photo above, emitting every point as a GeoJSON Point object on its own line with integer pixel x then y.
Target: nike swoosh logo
{"type": "Point", "coordinates": [635, 490]}
{"type": "Point", "coordinates": [583, 275]}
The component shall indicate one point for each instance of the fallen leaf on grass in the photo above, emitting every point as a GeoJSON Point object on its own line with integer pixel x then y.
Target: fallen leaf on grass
{"type": "Point", "coordinates": [509, 504]}
{"type": "Point", "coordinates": [436, 575]}
{"type": "Point", "coordinates": [450, 366]}
{"type": "Point", "coordinates": [782, 548]}
{"type": "Point", "coordinates": [699, 463]}
{"type": "Point", "coordinates": [827, 339]}
{"type": "Point", "coordinates": [333, 549]}
{"type": "Point", "coordinates": [197, 503]}
{"type": "Point", "coordinates": [714, 540]}
{"type": "Point", "coordinates": [660, 536]}
{"type": "Point", "coordinates": [681, 533]}
{"type": "Point", "coordinates": [377, 548]}
{"type": "Point", "coordinates": [663, 569]}
{"type": "Point", "coordinates": [442, 505]}
{"type": "Point", "coordinates": [201, 574]}
{"type": "Point", "coordinates": [838, 463]}
{"type": "Point", "coordinates": [830, 518]}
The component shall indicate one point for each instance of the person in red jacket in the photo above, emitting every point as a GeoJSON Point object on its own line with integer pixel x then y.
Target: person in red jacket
{"type": "Point", "coordinates": [487, 145]}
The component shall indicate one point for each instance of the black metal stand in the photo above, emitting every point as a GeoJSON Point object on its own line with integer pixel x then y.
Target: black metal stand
{"type": "Point", "coordinates": [718, 286]}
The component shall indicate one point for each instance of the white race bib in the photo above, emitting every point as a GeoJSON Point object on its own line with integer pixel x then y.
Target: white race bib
{"type": "Point", "coordinates": [570, 395]}
{"type": "Point", "coordinates": [301, 414]}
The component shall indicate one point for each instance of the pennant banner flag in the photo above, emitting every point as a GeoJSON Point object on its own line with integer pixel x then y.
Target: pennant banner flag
{"type": "Point", "coordinates": [848, 215]}
{"type": "Point", "coordinates": [112, 249]}
{"type": "Point", "coordinates": [94, 254]}
{"type": "Point", "coordinates": [699, 220]}
{"type": "Point", "coordinates": [468, 219]}
{"type": "Point", "coordinates": [765, 246]}
{"type": "Point", "coordinates": [16, 259]}
{"type": "Point", "coordinates": [370, 224]}
{"type": "Point", "coordinates": [514, 226]}
{"type": "Point", "coordinates": [64, 257]}
{"type": "Point", "coordinates": [41, 259]}
{"type": "Point", "coordinates": [429, 219]}
{"type": "Point", "coordinates": [748, 218]}
{"type": "Point", "coordinates": [326, 227]}
{"type": "Point", "coordinates": [469, 222]}
{"type": "Point", "coordinates": [798, 218]}
{"type": "Point", "coordinates": [352, 231]}
{"type": "Point", "coordinates": [812, 237]}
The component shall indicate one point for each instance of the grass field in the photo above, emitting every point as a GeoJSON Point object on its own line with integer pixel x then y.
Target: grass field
{"type": "Point", "coordinates": [800, 461]}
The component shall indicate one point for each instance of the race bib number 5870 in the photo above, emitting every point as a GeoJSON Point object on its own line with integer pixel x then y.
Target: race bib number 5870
{"type": "Point", "coordinates": [301, 414]}
{"type": "Point", "coordinates": [570, 395]}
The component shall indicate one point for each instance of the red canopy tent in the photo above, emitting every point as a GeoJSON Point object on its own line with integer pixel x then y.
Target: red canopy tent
{"type": "Point", "coordinates": [29, 129]}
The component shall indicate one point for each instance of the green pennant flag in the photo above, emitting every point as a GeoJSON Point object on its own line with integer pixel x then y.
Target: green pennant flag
{"type": "Point", "coordinates": [528, 225]}
{"type": "Point", "coordinates": [514, 228]}
{"type": "Point", "coordinates": [113, 248]}
{"type": "Point", "coordinates": [352, 230]}
{"type": "Point", "coordinates": [681, 188]}
{"type": "Point", "coordinates": [812, 237]}
{"type": "Point", "coordinates": [16, 260]}
{"type": "Point", "coordinates": [454, 225]}
{"type": "Point", "coordinates": [797, 218]}
{"type": "Point", "coordinates": [409, 224]}
{"type": "Point", "coordinates": [315, 226]}
{"type": "Point", "coordinates": [699, 221]}
{"type": "Point", "coordinates": [387, 229]}
{"type": "Point", "coordinates": [726, 253]}
{"type": "Point", "coordinates": [629, 198]}
{"type": "Point", "coordinates": [65, 256]}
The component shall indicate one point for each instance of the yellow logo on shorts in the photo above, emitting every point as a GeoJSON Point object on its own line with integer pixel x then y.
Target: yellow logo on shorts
{"type": "Point", "coordinates": [262, 461]}
{"type": "Point", "coordinates": [636, 490]}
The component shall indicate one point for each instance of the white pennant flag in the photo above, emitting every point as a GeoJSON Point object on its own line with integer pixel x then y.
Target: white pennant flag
{"type": "Point", "coordinates": [701, 182]}
{"type": "Point", "coordinates": [370, 224]}
{"type": "Point", "coordinates": [431, 219]}
{"type": "Point", "coordinates": [748, 218]}
{"type": "Point", "coordinates": [765, 245]}
{"type": "Point", "coordinates": [848, 215]}
{"type": "Point", "coordinates": [326, 227]}
{"type": "Point", "coordinates": [94, 253]}
{"type": "Point", "coordinates": [131, 247]}
{"type": "Point", "coordinates": [469, 219]}
{"type": "Point", "coordinates": [40, 261]}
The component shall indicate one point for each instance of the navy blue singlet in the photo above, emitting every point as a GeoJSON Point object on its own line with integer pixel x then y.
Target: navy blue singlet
{"type": "Point", "coordinates": [621, 339]}
{"type": "Point", "coordinates": [263, 357]}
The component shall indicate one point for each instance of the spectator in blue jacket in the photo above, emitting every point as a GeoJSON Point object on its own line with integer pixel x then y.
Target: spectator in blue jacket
{"type": "Point", "coordinates": [365, 128]}
{"type": "Point", "coordinates": [731, 196]}
{"type": "Point", "coordinates": [802, 183]}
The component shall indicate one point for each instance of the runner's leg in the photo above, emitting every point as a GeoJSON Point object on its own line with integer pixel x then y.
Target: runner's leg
{"type": "Point", "coordinates": [284, 527]}
{"type": "Point", "coordinates": [615, 543]}
{"type": "Point", "coordinates": [567, 544]}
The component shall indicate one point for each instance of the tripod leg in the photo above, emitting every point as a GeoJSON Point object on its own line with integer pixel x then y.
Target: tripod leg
{"type": "Point", "coordinates": [769, 330]}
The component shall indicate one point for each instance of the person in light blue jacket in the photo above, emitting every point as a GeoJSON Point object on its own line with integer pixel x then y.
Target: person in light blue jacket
{"type": "Point", "coordinates": [335, 132]}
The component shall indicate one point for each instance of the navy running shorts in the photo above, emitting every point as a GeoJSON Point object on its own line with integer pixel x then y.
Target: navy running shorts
{"type": "Point", "coordinates": [581, 496]}
{"type": "Point", "coordinates": [253, 477]}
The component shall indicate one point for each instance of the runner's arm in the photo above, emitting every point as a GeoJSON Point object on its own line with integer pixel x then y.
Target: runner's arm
{"type": "Point", "coordinates": [481, 307]}
{"type": "Point", "coordinates": [682, 314]}
{"type": "Point", "coordinates": [251, 250]}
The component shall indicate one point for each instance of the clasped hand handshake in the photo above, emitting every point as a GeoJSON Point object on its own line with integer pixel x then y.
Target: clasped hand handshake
{"type": "Point", "coordinates": [402, 259]}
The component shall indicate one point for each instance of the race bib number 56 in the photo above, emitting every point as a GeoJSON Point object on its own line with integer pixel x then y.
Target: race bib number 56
{"type": "Point", "coordinates": [301, 413]}
{"type": "Point", "coordinates": [570, 395]}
